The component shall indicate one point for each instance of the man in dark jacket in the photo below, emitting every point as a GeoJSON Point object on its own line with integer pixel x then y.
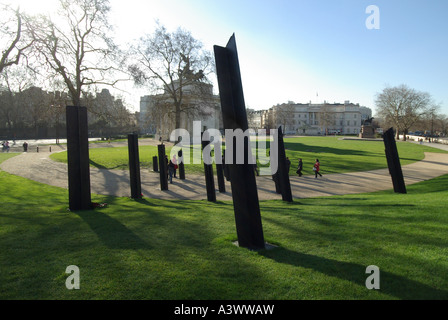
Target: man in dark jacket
{"type": "Point", "coordinates": [299, 168]}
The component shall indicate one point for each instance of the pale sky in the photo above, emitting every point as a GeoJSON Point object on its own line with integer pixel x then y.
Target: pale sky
{"type": "Point", "coordinates": [306, 50]}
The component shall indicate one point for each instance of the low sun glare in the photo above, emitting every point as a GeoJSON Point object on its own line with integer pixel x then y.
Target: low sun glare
{"type": "Point", "coordinates": [32, 6]}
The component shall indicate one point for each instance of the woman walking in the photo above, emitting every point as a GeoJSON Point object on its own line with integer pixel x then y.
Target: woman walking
{"type": "Point", "coordinates": [316, 168]}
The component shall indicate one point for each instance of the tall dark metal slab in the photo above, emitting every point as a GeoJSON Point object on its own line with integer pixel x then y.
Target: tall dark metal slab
{"type": "Point", "coordinates": [163, 167]}
{"type": "Point", "coordinates": [283, 173]}
{"type": "Point", "coordinates": [134, 166]}
{"type": "Point", "coordinates": [209, 179]}
{"type": "Point", "coordinates": [225, 167]}
{"type": "Point", "coordinates": [220, 170]}
{"type": "Point", "coordinates": [393, 161]}
{"type": "Point", "coordinates": [276, 183]}
{"type": "Point", "coordinates": [155, 166]}
{"type": "Point", "coordinates": [220, 175]}
{"type": "Point", "coordinates": [242, 176]}
{"type": "Point", "coordinates": [181, 165]}
{"type": "Point", "coordinates": [78, 159]}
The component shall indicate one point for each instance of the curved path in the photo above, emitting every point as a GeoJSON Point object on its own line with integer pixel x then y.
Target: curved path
{"type": "Point", "coordinates": [39, 167]}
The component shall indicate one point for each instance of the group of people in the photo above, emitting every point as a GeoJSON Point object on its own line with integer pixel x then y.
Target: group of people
{"type": "Point", "coordinates": [316, 168]}
{"type": "Point", "coordinates": [5, 146]}
{"type": "Point", "coordinates": [172, 168]}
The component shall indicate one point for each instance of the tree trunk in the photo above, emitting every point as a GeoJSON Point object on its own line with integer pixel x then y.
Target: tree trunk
{"type": "Point", "coordinates": [177, 116]}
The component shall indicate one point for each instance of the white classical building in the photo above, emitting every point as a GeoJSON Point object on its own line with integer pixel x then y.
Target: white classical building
{"type": "Point", "coordinates": [316, 119]}
{"type": "Point", "coordinates": [199, 104]}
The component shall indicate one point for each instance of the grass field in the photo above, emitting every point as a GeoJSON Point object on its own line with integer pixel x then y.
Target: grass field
{"type": "Point", "coordinates": [155, 249]}
{"type": "Point", "coordinates": [335, 156]}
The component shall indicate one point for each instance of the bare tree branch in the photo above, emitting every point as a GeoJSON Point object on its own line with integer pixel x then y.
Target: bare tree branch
{"type": "Point", "coordinates": [79, 51]}
{"type": "Point", "coordinates": [172, 63]}
{"type": "Point", "coordinates": [403, 106]}
{"type": "Point", "coordinates": [16, 45]}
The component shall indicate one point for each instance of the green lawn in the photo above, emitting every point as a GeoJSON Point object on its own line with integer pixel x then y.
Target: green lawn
{"type": "Point", "coordinates": [118, 158]}
{"type": "Point", "coordinates": [339, 156]}
{"type": "Point", "coordinates": [155, 249]}
{"type": "Point", "coordinates": [335, 156]}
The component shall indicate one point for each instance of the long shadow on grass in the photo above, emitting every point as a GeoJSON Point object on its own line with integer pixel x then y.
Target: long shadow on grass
{"type": "Point", "coordinates": [392, 284]}
{"type": "Point", "coordinates": [111, 179]}
{"type": "Point", "coordinates": [295, 146]}
{"type": "Point", "coordinates": [111, 232]}
{"type": "Point", "coordinates": [96, 164]}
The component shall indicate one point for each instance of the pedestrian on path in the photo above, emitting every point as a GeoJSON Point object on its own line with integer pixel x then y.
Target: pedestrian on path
{"type": "Point", "coordinates": [175, 165]}
{"type": "Point", "coordinates": [171, 170]}
{"type": "Point", "coordinates": [299, 168]}
{"type": "Point", "coordinates": [316, 168]}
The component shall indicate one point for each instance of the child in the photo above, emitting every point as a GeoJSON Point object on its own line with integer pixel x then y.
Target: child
{"type": "Point", "coordinates": [316, 168]}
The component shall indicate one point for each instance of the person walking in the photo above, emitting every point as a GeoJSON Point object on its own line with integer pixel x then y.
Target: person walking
{"type": "Point", "coordinates": [316, 168]}
{"type": "Point", "coordinates": [299, 168]}
{"type": "Point", "coordinates": [171, 170]}
{"type": "Point", "coordinates": [167, 167]}
{"type": "Point", "coordinates": [288, 165]}
{"type": "Point", "coordinates": [175, 165]}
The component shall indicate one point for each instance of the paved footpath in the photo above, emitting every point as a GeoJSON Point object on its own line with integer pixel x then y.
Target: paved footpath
{"type": "Point", "coordinates": [39, 167]}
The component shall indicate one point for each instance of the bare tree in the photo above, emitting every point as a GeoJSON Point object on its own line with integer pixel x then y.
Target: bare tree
{"type": "Point", "coordinates": [327, 118]}
{"type": "Point", "coordinates": [251, 118]}
{"type": "Point", "coordinates": [284, 115]}
{"type": "Point", "coordinates": [431, 117]}
{"type": "Point", "coordinates": [77, 47]}
{"type": "Point", "coordinates": [442, 125]}
{"type": "Point", "coordinates": [13, 39]}
{"type": "Point", "coordinates": [176, 64]}
{"type": "Point", "coordinates": [36, 102]}
{"type": "Point", "coordinates": [57, 100]}
{"type": "Point", "coordinates": [402, 106]}
{"type": "Point", "coordinates": [14, 80]}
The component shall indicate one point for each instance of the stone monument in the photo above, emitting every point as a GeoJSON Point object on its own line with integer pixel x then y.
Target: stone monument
{"type": "Point", "coordinates": [367, 130]}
